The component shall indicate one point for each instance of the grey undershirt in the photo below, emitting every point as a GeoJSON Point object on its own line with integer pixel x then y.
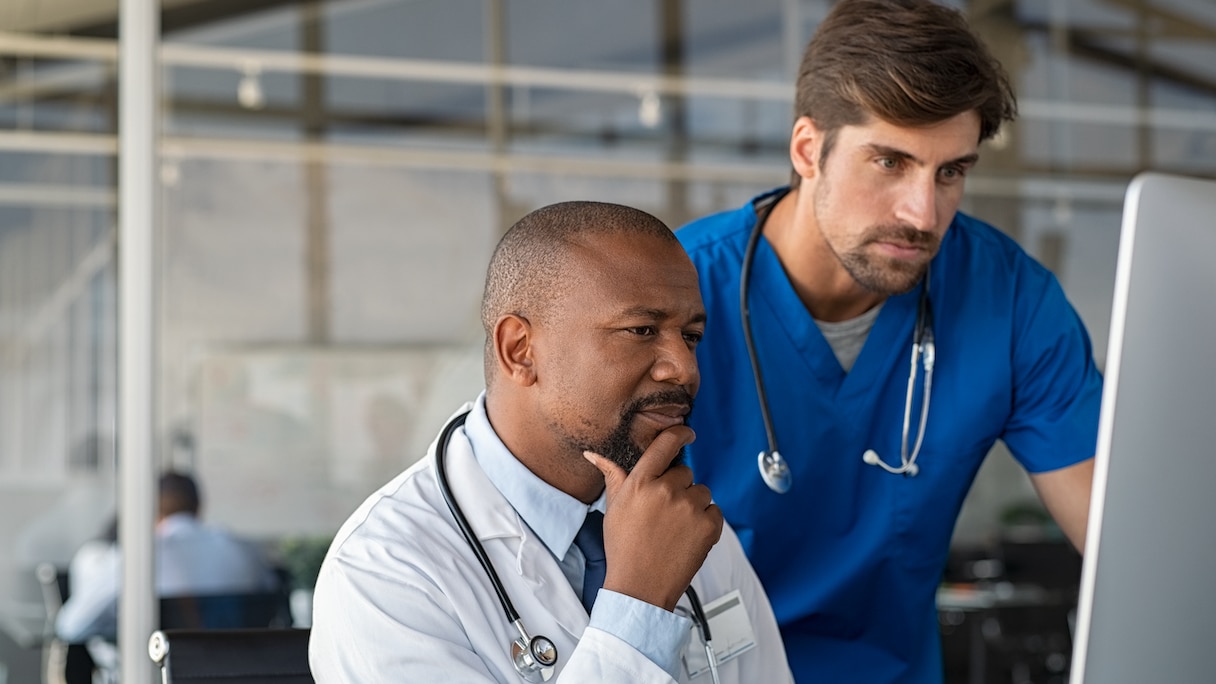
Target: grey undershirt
{"type": "Point", "coordinates": [847, 337]}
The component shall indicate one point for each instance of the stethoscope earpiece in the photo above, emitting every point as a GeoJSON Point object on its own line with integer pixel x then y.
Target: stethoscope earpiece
{"type": "Point", "coordinates": [908, 468]}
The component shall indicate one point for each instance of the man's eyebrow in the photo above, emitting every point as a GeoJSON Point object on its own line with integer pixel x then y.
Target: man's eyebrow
{"type": "Point", "coordinates": [887, 151]}
{"type": "Point", "coordinates": [656, 314]}
{"type": "Point", "coordinates": [966, 160]}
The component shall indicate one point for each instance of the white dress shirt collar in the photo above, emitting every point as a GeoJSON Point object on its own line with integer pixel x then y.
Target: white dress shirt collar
{"type": "Point", "coordinates": [552, 514]}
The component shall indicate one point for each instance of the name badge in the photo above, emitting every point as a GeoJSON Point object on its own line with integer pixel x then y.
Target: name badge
{"type": "Point", "coordinates": [730, 630]}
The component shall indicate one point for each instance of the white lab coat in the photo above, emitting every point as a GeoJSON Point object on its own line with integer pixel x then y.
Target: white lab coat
{"type": "Point", "coordinates": [402, 598]}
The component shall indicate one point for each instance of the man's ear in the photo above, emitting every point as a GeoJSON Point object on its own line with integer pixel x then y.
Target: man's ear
{"type": "Point", "coordinates": [805, 143]}
{"type": "Point", "coordinates": [513, 349]}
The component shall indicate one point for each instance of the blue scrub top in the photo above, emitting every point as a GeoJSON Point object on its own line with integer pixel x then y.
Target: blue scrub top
{"type": "Point", "coordinates": [851, 556]}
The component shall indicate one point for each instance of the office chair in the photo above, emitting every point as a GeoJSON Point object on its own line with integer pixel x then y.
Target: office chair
{"type": "Point", "coordinates": [231, 656]}
{"type": "Point", "coordinates": [62, 663]}
{"type": "Point", "coordinates": [65, 663]}
{"type": "Point", "coordinates": [226, 611]}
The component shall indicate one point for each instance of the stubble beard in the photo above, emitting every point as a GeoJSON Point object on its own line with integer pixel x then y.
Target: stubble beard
{"type": "Point", "coordinates": [888, 277]}
{"type": "Point", "coordinates": [619, 446]}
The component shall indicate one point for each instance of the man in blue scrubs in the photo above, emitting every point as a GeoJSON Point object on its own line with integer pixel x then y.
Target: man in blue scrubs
{"type": "Point", "coordinates": [893, 101]}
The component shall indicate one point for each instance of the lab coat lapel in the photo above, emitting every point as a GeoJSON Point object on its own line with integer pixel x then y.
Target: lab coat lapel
{"type": "Point", "coordinates": [550, 588]}
{"type": "Point", "coordinates": [489, 514]}
{"type": "Point", "coordinates": [531, 566]}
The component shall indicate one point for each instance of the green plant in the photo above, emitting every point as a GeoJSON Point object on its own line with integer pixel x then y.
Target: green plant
{"type": "Point", "coordinates": [301, 557]}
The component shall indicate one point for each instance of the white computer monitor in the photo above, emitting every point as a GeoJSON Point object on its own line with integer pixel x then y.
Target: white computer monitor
{"type": "Point", "coordinates": [1147, 608]}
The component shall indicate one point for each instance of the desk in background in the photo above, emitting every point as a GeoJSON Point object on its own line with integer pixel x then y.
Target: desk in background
{"type": "Point", "coordinates": [1006, 613]}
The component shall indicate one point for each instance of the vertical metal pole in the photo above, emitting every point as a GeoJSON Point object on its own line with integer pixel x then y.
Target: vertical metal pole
{"type": "Point", "coordinates": [318, 254]}
{"type": "Point", "coordinates": [792, 40]}
{"type": "Point", "coordinates": [1144, 88]}
{"type": "Point", "coordinates": [139, 29]}
{"type": "Point", "coordinates": [1058, 25]}
{"type": "Point", "coordinates": [496, 57]}
{"type": "Point", "coordinates": [671, 51]}
{"type": "Point", "coordinates": [498, 115]}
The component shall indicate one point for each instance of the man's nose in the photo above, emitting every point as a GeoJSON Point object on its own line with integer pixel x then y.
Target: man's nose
{"type": "Point", "coordinates": [918, 204]}
{"type": "Point", "coordinates": [676, 363]}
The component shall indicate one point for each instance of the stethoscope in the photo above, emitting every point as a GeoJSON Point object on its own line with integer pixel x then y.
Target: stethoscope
{"type": "Point", "coordinates": [533, 655]}
{"type": "Point", "coordinates": [774, 469]}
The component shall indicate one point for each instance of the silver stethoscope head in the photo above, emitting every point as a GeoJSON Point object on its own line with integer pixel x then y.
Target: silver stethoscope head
{"type": "Point", "coordinates": [532, 655]}
{"type": "Point", "coordinates": [774, 471]}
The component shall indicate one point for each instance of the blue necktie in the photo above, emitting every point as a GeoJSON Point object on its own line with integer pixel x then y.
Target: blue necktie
{"type": "Point", "coordinates": [590, 540]}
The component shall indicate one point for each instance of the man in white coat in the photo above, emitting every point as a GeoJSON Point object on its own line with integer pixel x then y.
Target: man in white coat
{"type": "Point", "coordinates": [592, 316]}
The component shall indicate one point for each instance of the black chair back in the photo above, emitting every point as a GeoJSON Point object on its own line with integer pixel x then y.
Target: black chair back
{"type": "Point", "coordinates": [226, 611]}
{"type": "Point", "coordinates": [231, 656]}
{"type": "Point", "coordinates": [62, 663]}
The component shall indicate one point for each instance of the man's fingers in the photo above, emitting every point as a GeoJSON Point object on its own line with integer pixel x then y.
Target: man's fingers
{"type": "Point", "coordinates": [719, 520]}
{"type": "Point", "coordinates": [662, 451]}
{"type": "Point", "coordinates": [701, 496]}
{"type": "Point", "coordinates": [679, 476]}
{"type": "Point", "coordinates": [614, 475]}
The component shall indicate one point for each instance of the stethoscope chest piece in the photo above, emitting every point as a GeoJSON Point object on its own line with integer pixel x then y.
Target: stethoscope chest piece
{"type": "Point", "coordinates": [534, 658]}
{"type": "Point", "coordinates": [775, 471]}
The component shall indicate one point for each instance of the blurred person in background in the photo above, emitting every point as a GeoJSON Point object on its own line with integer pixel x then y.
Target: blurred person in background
{"type": "Point", "coordinates": [192, 558]}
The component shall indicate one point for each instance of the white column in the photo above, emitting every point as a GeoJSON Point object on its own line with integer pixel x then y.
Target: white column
{"type": "Point", "coordinates": [139, 29]}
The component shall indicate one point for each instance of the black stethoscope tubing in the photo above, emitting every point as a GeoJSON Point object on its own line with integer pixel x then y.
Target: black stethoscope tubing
{"type": "Point", "coordinates": [774, 469]}
{"type": "Point", "coordinates": [530, 655]}
{"type": "Point", "coordinates": [749, 258]}
{"type": "Point", "coordinates": [465, 528]}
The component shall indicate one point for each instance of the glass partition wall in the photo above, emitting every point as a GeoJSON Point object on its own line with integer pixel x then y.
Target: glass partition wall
{"type": "Point", "coordinates": [334, 176]}
{"type": "Point", "coordinates": [58, 324]}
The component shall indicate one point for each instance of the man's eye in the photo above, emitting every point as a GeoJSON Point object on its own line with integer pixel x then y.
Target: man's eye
{"type": "Point", "coordinates": [888, 162]}
{"type": "Point", "coordinates": [642, 330]}
{"type": "Point", "coordinates": [953, 173]}
{"type": "Point", "coordinates": [693, 337]}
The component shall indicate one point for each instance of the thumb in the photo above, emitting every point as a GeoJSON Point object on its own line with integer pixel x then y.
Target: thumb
{"type": "Point", "coordinates": [614, 475]}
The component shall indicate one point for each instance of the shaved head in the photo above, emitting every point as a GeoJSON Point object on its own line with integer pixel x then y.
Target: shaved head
{"type": "Point", "coordinates": [530, 273]}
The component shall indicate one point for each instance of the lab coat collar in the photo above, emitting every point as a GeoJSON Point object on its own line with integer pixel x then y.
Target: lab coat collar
{"type": "Point", "coordinates": [553, 515]}
{"type": "Point", "coordinates": [493, 518]}
{"type": "Point", "coordinates": [488, 513]}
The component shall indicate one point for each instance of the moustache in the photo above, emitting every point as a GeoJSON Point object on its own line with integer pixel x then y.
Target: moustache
{"type": "Point", "coordinates": [902, 234]}
{"type": "Point", "coordinates": [669, 397]}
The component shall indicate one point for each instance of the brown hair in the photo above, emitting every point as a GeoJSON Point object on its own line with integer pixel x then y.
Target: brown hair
{"type": "Point", "coordinates": [906, 62]}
